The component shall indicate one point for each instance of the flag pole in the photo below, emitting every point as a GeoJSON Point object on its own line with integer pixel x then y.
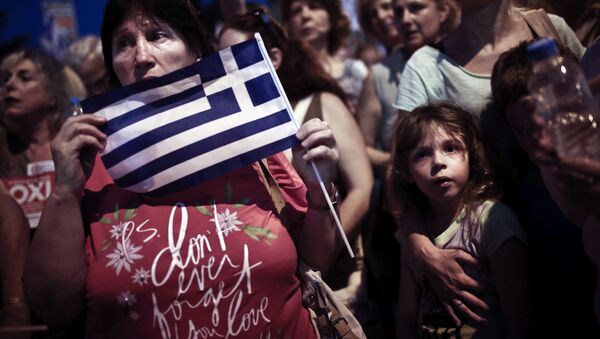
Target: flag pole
{"type": "Point", "coordinates": [267, 58]}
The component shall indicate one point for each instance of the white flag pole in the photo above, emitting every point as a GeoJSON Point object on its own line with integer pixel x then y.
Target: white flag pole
{"type": "Point", "coordinates": [267, 58]}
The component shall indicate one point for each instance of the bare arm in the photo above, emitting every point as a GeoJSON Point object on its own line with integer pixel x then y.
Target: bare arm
{"type": "Point", "coordinates": [56, 268]}
{"type": "Point", "coordinates": [14, 240]}
{"type": "Point", "coordinates": [369, 119]}
{"type": "Point", "coordinates": [354, 165]}
{"type": "Point", "coordinates": [510, 273]}
{"type": "Point", "coordinates": [317, 241]}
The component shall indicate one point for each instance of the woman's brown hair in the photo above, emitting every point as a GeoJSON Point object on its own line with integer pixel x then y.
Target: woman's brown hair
{"type": "Point", "coordinates": [410, 130]}
{"type": "Point", "coordinates": [340, 24]}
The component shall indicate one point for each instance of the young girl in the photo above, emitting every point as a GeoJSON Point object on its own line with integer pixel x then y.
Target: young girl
{"type": "Point", "coordinates": [441, 174]}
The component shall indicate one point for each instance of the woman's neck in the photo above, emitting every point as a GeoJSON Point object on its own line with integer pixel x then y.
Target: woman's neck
{"type": "Point", "coordinates": [332, 65]}
{"type": "Point", "coordinates": [476, 43]}
{"type": "Point", "coordinates": [320, 45]}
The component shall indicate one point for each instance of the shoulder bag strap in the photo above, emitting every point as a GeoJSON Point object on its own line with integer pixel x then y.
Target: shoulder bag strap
{"type": "Point", "coordinates": [302, 107]}
{"type": "Point", "coordinates": [328, 319]}
{"type": "Point", "coordinates": [540, 24]}
{"type": "Point", "coordinates": [314, 110]}
{"type": "Point", "coordinates": [271, 186]}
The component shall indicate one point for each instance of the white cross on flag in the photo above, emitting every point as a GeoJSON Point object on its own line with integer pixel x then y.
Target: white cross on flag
{"type": "Point", "coordinates": [224, 112]}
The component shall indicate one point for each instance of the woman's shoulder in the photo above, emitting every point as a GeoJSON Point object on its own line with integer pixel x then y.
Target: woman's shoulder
{"type": "Point", "coordinates": [392, 63]}
{"type": "Point", "coordinates": [332, 103]}
{"type": "Point", "coordinates": [425, 55]}
{"type": "Point", "coordinates": [429, 62]}
{"type": "Point", "coordinates": [567, 35]}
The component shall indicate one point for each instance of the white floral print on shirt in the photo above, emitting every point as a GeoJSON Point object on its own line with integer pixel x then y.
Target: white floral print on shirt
{"type": "Point", "coordinates": [123, 256]}
{"type": "Point", "coordinates": [116, 230]}
{"type": "Point", "coordinates": [126, 299]}
{"type": "Point", "coordinates": [141, 276]}
{"type": "Point", "coordinates": [228, 222]}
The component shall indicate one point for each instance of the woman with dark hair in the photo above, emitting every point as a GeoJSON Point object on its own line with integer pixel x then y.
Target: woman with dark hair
{"type": "Point", "coordinates": [378, 22]}
{"type": "Point", "coordinates": [324, 26]}
{"type": "Point", "coordinates": [289, 56]}
{"type": "Point", "coordinates": [212, 260]}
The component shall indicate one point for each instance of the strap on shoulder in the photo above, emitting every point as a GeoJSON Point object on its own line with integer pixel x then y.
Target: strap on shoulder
{"type": "Point", "coordinates": [540, 25]}
{"type": "Point", "coordinates": [271, 185]}
{"type": "Point", "coordinates": [314, 110]}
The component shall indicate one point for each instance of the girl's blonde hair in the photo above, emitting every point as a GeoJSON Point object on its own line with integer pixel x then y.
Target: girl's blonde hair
{"type": "Point", "coordinates": [410, 130]}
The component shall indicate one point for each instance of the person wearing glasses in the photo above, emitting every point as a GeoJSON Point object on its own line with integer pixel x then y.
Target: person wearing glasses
{"type": "Point", "coordinates": [212, 260]}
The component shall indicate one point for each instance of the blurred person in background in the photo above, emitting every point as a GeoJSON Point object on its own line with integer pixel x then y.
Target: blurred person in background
{"type": "Point", "coordinates": [85, 57]}
{"type": "Point", "coordinates": [403, 26]}
{"type": "Point", "coordinates": [35, 102]}
{"type": "Point", "coordinates": [565, 274]}
{"type": "Point", "coordinates": [74, 86]}
{"type": "Point", "coordinates": [370, 54]}
{"type": "Point", "coordinates": [323, 25]}
{"type": "Point", "coordinates": [379, 24]}
{"type": "Point", "coordinates": [35, 89]}
{"type": "Point", "coordinates": [303, 77]}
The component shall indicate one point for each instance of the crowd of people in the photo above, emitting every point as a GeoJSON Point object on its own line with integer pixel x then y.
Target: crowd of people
{"type": "Point", "coordinates": [464, 219]}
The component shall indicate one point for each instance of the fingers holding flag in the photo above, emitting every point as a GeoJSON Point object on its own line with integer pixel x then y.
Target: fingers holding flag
{"type": "Point", "coordinates": [74, 149]}
{"type": "Point", "coordinates": [317, 144]}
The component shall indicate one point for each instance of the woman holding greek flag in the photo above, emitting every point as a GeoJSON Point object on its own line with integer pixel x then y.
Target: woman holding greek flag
{"type": "Point", "coordinates": [161, 259]}
{"type": "Point", "coordinates": [314, 93]}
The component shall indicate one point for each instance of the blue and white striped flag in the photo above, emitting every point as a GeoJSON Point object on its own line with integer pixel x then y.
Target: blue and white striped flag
{"type": "Point", "coordinates": [224, 112]}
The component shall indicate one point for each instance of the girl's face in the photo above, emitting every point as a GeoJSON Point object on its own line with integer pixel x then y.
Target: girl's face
{"type": "Point", "coordinates": [309, 21]}
{"type": "Point", "coordinates": [420, 20]}
{"type": "Point", "coordinates": [144, 49]}
{"type": "Point", "coordinates": [383, 21]}
{"type": "Point", "coordinates": [439, 166]}
{"type": "Point", "coordinates": [24, 89]}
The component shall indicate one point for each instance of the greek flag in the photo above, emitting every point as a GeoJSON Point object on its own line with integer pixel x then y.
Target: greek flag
{"type": "Point", "coordinates": [224, 112]}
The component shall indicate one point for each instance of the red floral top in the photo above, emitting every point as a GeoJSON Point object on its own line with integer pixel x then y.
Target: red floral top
{"type": "Point", "coordinates": [212, 261]}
